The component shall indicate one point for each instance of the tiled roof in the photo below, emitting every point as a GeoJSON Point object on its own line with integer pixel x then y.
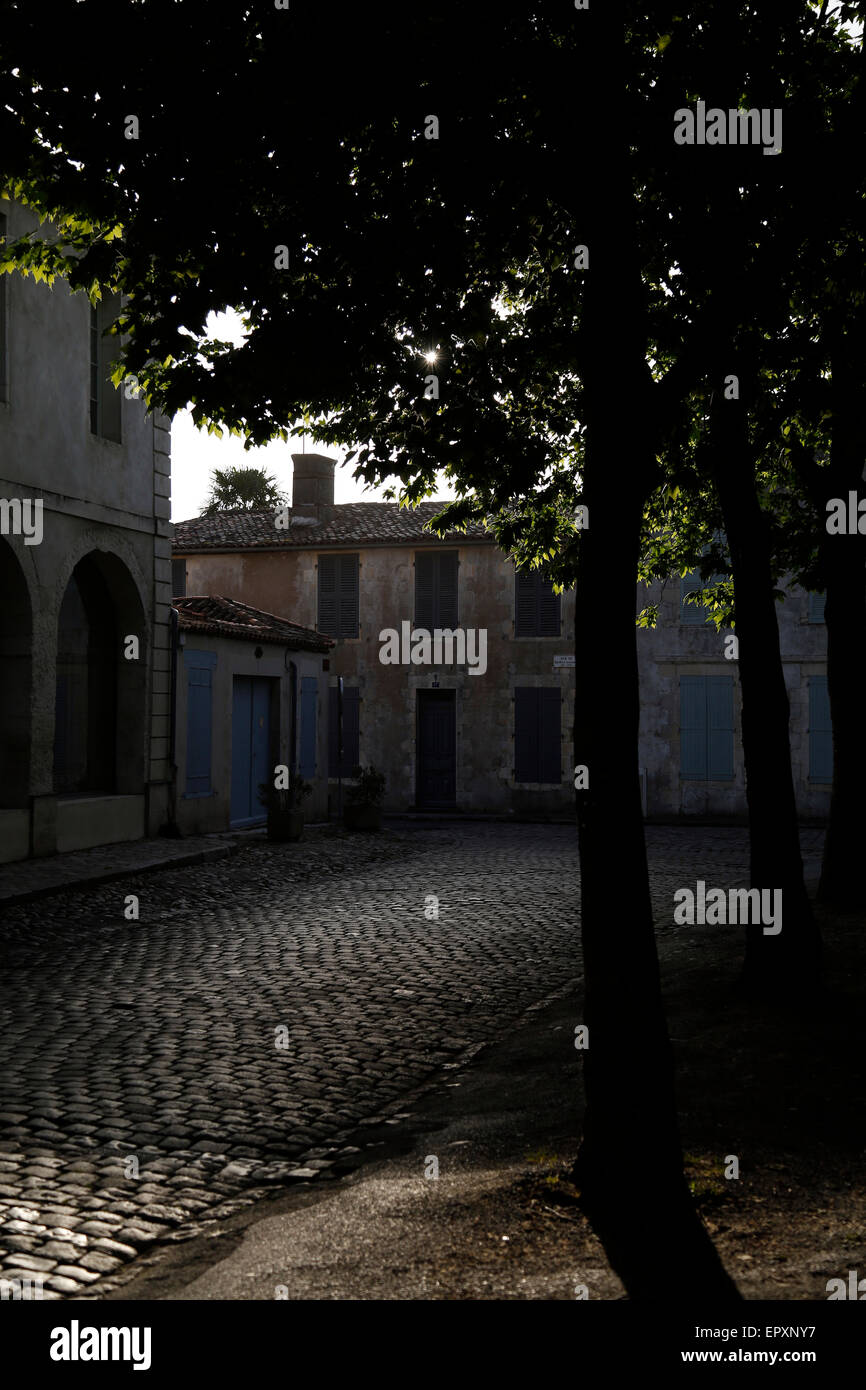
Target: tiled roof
{"type": "Point", "coordinates": [351, 523]}
{"type": "Point", "coordinates": [226, 617]}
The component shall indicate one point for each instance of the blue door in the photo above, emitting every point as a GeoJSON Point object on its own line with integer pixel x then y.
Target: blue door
{"type": "Point", "coordinates": [199, 667]}
{"type": "Point", "coordinates": [251, 747]}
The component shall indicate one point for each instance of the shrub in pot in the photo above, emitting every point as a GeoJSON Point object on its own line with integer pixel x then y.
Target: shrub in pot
{"type": "Point", "coordinates": [283, 804]}
{"type": "Point", "coordinates": [364, 800]}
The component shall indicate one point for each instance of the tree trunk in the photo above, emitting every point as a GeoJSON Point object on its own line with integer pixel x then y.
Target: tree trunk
{"type": "Point", "coordinates": [630, 1165]}
{"type": "Point", "coordinates": [788, 961]}
{"type": "Point", "coordinates": [843, 882]}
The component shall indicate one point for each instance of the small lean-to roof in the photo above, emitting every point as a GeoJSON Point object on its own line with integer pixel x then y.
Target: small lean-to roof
{"type": "Point", "coordinates": [348, 523]}
{"type": "Point", "coordinates": [226, 617]}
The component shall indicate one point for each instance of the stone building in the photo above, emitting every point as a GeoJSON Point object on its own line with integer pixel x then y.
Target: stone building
{"type": "Point", "coordinates": [451, 737]}
{"type": "Point", "coordinates": [485, 727]}
{"type": "Point", "coordinates": [85, 569]}
{"type": "Point", "coordinates": [691, 719]}
{"type": "Point", "coordinates": [250, 696]}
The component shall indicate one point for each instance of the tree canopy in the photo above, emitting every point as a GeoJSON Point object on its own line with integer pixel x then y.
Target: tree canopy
{"type": "Point", "coordinates": [242, 489]}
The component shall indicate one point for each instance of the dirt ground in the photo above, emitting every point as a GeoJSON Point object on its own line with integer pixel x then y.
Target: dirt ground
{"type": "Point", "coordinates": [780, 1088]}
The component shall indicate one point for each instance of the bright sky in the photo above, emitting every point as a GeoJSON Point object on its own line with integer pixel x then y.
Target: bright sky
{"type": "Point", "coordinates": [194, 453]}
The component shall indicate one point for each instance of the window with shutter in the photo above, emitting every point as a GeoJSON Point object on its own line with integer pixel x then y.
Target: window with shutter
{"type": "Point", "coordinates": [351, 731]}
{"type": "Point", "coordinates": [338, 595]}
{"type": "Point", "coordinates": [347, 569]}
{"type": "Point", "coordinates": [537, 609]}
{"type": "Point", "coordinates": [549, 608]}
{"type": "Point", "coordinates": [436, 589]}
{"type": "Point", "coordinates": [538, 734]}
{"type": "Point", "coordinates": [692, 612]}
{"type": "Point", "coordinates": [820, 731]}
{"type": "Point", "coordinates": [178, 578]}
{"type": "Point", "coordinates": [105, 398]}
{"type": "Point", "coordinates": [707, 728]}
{"type": "Point", "coordinates": [816, 607]}
{"type": "Point", "coordinates": [328, 618]}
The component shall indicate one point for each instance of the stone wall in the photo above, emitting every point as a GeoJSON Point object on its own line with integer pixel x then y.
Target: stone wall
{"type": "Point", "coordinates": [673, 649]}
{"type": "Point", "coordinates": [106, 500]}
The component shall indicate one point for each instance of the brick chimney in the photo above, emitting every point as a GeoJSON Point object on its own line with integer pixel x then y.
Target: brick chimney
{"type": "Point", "coordinates": [313, 486]}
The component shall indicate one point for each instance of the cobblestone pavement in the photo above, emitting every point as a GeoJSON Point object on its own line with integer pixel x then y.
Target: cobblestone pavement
{"type": "Point", "coordinates": [31, 878]}
{"type": "Point", "coordinates": [143, 1090]}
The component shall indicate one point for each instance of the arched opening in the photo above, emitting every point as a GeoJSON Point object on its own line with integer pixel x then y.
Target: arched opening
{"type": "Point", "coordinates": [15, 681]}
{"type": "Point", "coordinates": [99, 732]}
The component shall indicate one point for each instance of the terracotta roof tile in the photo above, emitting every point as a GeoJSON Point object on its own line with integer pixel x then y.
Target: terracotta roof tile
{"type": "Point", "coordinates": [226, 617]}
{"type": "Point", "coordinates": [350, 523]}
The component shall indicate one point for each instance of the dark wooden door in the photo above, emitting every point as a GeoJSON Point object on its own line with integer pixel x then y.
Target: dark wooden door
{"type": "Point", "coordinates": [437, 748]}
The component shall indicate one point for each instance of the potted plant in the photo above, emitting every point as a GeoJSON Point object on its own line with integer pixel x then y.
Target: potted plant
{"type": "Point", "coordinates": [364, 800]}
{"type": "Point", "coordinates": [285, 817]}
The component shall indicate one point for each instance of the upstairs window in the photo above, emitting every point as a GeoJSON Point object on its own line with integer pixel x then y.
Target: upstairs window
{"type": "Point", "coordinates": [105, 397]}
{"type": "Point", "coordinates": [693, 612]}
{"type": "Point", "coordinates": [178, 578]}
{"type": "Point", "coordinates": [537, 609]}
{"type": "Point", "coordinates": [338, 595]}
{"type": "Point", "coordinates": [436, 589]}
{"type": "Point", "coordinates": [816, 607]}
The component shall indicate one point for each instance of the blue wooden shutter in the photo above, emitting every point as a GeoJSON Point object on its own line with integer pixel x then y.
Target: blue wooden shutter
{"type": "Point", "coordinates": [816, 607]}
{"type": "Point", "coordinates": [351, 731]}
{"type": "Point", "coordinates": [525, 734]}
{"type": "Point", "coordinates": [550, 735]}
{"type": "Point", "coordinates": [720, 728]}
{"type": "Point", "coordinates": [309, 708]}
{"type": "Point", "coordinates": [693, 727]}
{"type": "Point", "coordinates": [199, 721]}
{"type": "Point", "coordinates": [820, 731]}
{"type": "Point", "coordinates": [692, 613]}
{"type": "Point", "coordinates": [329, 616]}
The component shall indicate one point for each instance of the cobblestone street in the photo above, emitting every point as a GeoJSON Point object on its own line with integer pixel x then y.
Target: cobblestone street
{"type": "Point", "coordinates": [143, 1089]}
